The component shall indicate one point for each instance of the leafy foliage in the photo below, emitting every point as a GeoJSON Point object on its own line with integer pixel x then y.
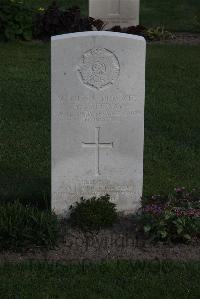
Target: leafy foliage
{"type": "Point", "coordinates": [54, 20]}
{"type": "Point", "coordinates": [176, 219]}
{"type": "Point", "coordinates": [24, 226]}
{"type": "Point", "coordinates": [138, 30]}
{"type": "Point", "coordinates": [15, 20]}
{"type": "Point", "coordinates": [19, 21]}
{"type": "Point", "coordinates": [151, 34]}
{"type": "Point", "coordinates": [94, 213]}
{"type": "Point", "coordinates": [158, 33]}
{"type": "Point", "coordinates": [170, 226]}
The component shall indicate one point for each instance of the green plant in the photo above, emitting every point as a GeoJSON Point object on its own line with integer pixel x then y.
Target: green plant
{"type": "Point", "coordinates": [169, 226]}
{"type": "Point", "coordinates": [55, 20]}
{"type": "Point", "coordinates": [175, 218]}
{"type": "Point", "coordinates": [15, 20]}
{"type": "Point", "coordinates": [24, 226]}
{"type": "Point", "coordinates": [94, 213]}
{"type": "Point", "coordinates": [158, 33]}
{"type": "Point", "coordinates": [136, 30]}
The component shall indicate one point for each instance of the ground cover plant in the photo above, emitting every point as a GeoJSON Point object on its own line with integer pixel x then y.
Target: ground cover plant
{"type": "Point", "coordinates": [173, 218]}
{"type": "Point", "coordinates": [105, 280]}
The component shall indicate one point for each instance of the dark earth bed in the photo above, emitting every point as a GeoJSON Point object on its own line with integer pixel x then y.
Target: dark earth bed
{"type": "Point", "coordinates": [118, 243]}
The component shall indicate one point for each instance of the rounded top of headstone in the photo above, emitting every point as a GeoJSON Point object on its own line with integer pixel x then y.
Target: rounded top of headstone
{"type": "Point", "coordinates": [97, 34]}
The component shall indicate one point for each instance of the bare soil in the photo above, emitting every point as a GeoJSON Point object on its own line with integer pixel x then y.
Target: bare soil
{"type": "Point", "coordinates": [118, 243]}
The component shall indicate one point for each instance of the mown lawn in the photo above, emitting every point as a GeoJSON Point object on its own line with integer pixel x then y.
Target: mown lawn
{"type": "Point", "coordinates": [99, 281]}
{"type": "Point", "coordinates": [175, 15]}
{"type": "Point", "coordinates": [172, 119]}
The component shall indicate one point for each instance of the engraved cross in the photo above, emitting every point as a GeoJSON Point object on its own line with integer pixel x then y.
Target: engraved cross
{"type": "Point", "coordinates": [97, 145]}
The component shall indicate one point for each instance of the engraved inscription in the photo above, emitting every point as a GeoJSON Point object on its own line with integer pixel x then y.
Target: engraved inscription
{"type": "Point", "coordinates": [98, 68]}
{"type": "Point", "coordinates": [97, 145]}
{"type": "Point", "coordinates": [97, 184]}
{"type": "Point", "coordinates": [98, 108]}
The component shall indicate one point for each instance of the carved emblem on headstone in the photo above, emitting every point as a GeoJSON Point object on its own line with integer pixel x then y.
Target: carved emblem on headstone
{"type": "Point", "coordinates": [98, 68]}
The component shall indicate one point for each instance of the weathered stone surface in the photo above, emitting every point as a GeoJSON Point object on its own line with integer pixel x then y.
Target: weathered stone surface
{"type": "Point", "coordinates": [98, 88]}
{"type": "Point", "coordinates": [115, 12]}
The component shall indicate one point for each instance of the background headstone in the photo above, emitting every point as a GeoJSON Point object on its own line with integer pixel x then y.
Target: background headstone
{"type": "Point", "coordinates": [124, 13]}
{"type": "Point", "coordinates": [98, 88]}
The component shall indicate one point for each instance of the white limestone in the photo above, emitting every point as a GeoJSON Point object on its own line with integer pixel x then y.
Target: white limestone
{"type": "Point", "coordinates": [98, 88]}
{"type": "Point", "coordinates": [115, 12]}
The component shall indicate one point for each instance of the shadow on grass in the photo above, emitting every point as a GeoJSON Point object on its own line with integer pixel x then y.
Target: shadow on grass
{"type": "Point", "coordinates": [26, 188]}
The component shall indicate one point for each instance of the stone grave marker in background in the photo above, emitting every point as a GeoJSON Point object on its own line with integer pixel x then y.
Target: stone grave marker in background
{"type": "Point", "coordinates": [98, 88]}
{"type": "Point", "coordinates": [115, 12]}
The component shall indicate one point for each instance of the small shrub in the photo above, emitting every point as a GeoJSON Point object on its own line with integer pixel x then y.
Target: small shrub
{"type": "Point", "coordinates": [137, 30]}
{"type": "Point", "coordinates": [176, 218]}
{"type": "Point", "coordinates": [22, 226]}
{"type": "Point", "coordinates": [94, 213]}
{"type": "Point", "coordinates": [53, 20]}
{"type": "Point", "coordinates": [15, 20]}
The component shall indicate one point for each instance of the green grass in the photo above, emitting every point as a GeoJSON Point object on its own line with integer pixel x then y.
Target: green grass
{"type": "Point", "coordinates": [23, 226]}
{"type": "Point", "coordinates": [98, 281]}
{"type": "Point", "coordinates": [25, 120]}
{"type": "Point", "coordinates": [172, 119]}
{"type": "Point", "coordinates": [175, 15]}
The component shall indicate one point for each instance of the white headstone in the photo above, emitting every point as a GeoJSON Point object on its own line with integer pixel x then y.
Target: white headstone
{"type": "Point", "coordinates": [98, 88]}
{"type": "Point", "coordinates": [124, 13]}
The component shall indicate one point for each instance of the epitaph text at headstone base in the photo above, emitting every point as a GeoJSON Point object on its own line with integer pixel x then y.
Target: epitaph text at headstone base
{"type": "Point", "coordinates": [98, 86]}
{"type": "Point", "coordinates": [124, 13]}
